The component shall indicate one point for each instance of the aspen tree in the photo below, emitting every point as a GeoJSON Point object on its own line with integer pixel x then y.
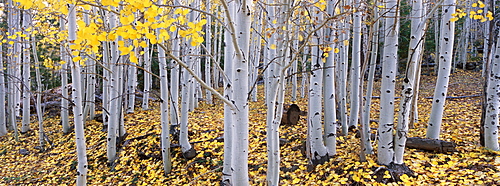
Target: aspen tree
{"type": "Point", "coordinates": [165, 128]}
{"type": "Point", "coordinates": [446, 39]}
{"type": "Point", "coordinates": [77, 101]}
{"type": "Point", "coordinates": [385, 149]}
{"type": "Point", "coordinates": [355, 65]}
{"type": "Point", "coordinates": [329, 98]}
{"type": "Point", "coordinates": [13, 50]}
{"type": "Point", "coordinates": [208, 60]}
{"type": "Point", "coordinates": [26, 72]}
{"type": "Point", "coordinates": [38, 104]}
{"type": "Point", "coordinates": [229, 114]}
{"type": "Point", "coordinates": [240, 135]}
{"type": "Point", "coordinates": [3, 119]}
{"type": "Point", "coordinates": [493, 102]}
{"type": "Point", "coordinates": [273, 87]}
{"type": "Point", "coordinates": [409, 82]}
{"type": "Point", "coordinates": [64, 83]}
{"type": "Point", "coordinates": [365, 123]}
{"type": "Point", "coordinates": [317, 151]}
{"type": "Point", "coordinates": [147, 76]}
{"type": "Point", "coordinates": [114, 94]}
{"type": "Point", "coordinates": [343, 69]}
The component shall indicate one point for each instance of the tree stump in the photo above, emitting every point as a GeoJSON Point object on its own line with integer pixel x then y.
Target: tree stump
{"type": "Point", "coordinates": [291, 115]}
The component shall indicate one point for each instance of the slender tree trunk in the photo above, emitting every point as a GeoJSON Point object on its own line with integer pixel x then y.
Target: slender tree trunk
{"type": "Point", "coordinates": [229, 114]}
{"type": "Point", "coordinates": [414, 58]}
{"type": "Point", "coordinates": [3, 119]}
{"type": "Point", "coordinates": [365, 119]}
{"type": "Point", "coordinates": [355, 65]}
{"type": "Point", "coordinates": [26, 74]}
{"type": "Point", "coordinates": [165, 128]}
{"type": "Point", "coordinates": [38, 104]}
{"type": "Point", "coordinates": [493, 102]}
{"type": "Point", "coordinates": [114, 96]}
{"type": "Point", "coordinates": [77, 107]}
{"type": "Point", "coordinates": [385, 149]}
{"type": "Point", "coordinates": [445, 61]}
{"type": "Point", "coordinates": [147, 76]}
{"type": "Point", "coordinates": [240, 135]}
{"type": "Point", "coordinates": [64, 85]}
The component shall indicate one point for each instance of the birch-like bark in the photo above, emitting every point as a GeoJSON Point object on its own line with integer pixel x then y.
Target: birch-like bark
{"type": "Point", "coordinates": [240, 135]}
{"type": "Point", "coordinates": [132, 84]}
{"type": "Point", "coordinates": [165, 128]}
{"type": "Point", "coordinates": [147, 76]}
{"type": "Point", "coordinates": [64, 83]}
{"type": "Point", "coordinates": [186, 88]}
{"type": "Point", "coordinates": [229, 114]}
{"type": "Point", "coordinates": [385, 149]}
{"type": "Point", "coordinates": [305, 77]}
{"type": "Point", "coordinates": [329, 99]}
{"type": "Point", "coordinates": [343, 70]}
{"type": "Point", "coordinates": [76, 94]}
{"type": "Point", "coordinates": [355, 65]}
{"type": "Point", "coordinates": [38, 105]}
{"type": "Point", "coordinates": [26, 73]}
{"type": "Point", "coordinates": [414, 58]}
{"type": "Point", "coordinates": [317, 149]}
{"type": "Point", "coordinates": [114, 95]}
{"type": "Point", "coordinates": [13, 23]}
{"type": "Point", "coordinates": [365, 119]}
{"type": "Point", "coordinates": [446, 39]}
{"type": "Point", "coordinates": [3, 119]}
{"type": "Point", "coordinates": [272, 85]}
{"type": "Point", "coordinates": [208, 60]}
{"type": "Point", "coordinates": [493, 101]}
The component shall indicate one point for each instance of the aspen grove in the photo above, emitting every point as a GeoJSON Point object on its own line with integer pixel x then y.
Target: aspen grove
{"type": "Point", "coordinates": [263, 92]}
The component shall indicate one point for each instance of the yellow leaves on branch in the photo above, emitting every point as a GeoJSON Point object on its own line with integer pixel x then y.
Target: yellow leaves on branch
{"type": "Point", "coordinates": [476, 14]}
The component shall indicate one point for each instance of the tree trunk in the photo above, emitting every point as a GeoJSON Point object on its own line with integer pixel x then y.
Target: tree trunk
{"type": "Point", "coordinates": [26, 74]}
{"type": "Point", "coordinates": [3, 119]}
{"type": "Point", "coordinates": [414, 57]}
{"type": "Point", "coordinates": [493, 103]}
{"type": "Point", "coordinates": [445, 60]}
{"type": "Point", "coordinates": [76, 93]}
{"type": "Point", "coordinates": [385, 149]}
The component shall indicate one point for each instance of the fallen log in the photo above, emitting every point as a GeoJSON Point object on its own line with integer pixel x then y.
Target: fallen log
{"type": "Point", "coordinates": [435, 145]}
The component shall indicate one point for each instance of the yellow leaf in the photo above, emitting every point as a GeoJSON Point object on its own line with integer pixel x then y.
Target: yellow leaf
{"type": "Point", "coordinates": [273, 46]}
{"type": "Point", "coordinates": [336, 50]}
{"type": "Point", "coordinates": [346, 42]}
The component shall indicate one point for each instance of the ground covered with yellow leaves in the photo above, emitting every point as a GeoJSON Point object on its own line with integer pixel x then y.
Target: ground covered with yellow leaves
{"type": "Point", "coordinates": [139, 160]}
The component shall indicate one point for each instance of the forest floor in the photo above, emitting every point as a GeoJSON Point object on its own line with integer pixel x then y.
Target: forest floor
{"type": "Point", "coordinates": [140, 163]}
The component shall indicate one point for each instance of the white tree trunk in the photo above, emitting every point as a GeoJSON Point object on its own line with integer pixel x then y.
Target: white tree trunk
{"type": "Point", "coordinates": [3, 119]}
{"type": "Point", "coordinates": [240, 135]}
{"type": "Point", "coordinates": [114, 96]}
{"type": "Point", "coordinates": [165, 128]}
{"type": "Point", "coordinates": [493, 101]}
{"type": "Point", "coordinates": [385, 149]}
{"type": "Point", "coordinates": [229, 114]}
{"type": "Point", "coordinates": [147, 76]}
{"type": "Point", "coordinates": [355, 65]}
{"type": "Point", "coordinates": [446, 39]}
{"type": "Point", "coordinates": [39, 89]}
{"type": "Point", "coordinates": [64, 86]}
{"type": "Point", "coordinates": [208, 59]}
{"type": "Point", "coordinates": [186, 88]}
{"type": "Point", "coordinates": [26, 74]}
{"type": "Point", "coordinates": [329, 99]}
{"type": "Point", "coordinates": [317, 149]}
{"type": "Point", "coordinates": [13, 23]}
{"type": "Point", "coordinates": [414, 58]}
{"type": "Point", "coordinates": [81, 148]}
